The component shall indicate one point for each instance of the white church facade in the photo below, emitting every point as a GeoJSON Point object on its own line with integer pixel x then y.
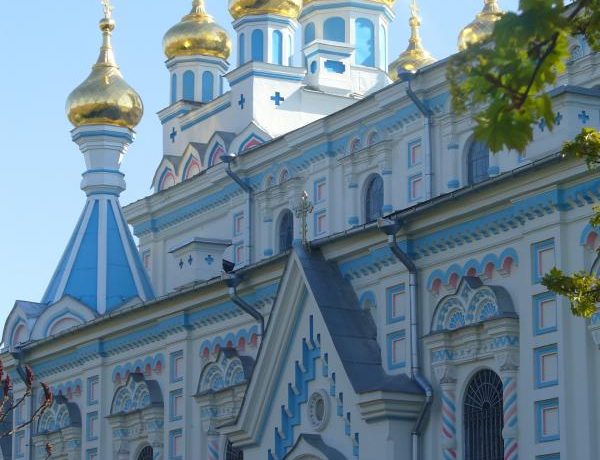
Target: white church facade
{"type": "Point", "coordinates": [329, 267]}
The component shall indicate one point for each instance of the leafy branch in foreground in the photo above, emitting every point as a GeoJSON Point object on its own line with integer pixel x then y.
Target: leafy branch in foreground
{"type": "Point", "coordinates": [504, 78]}
{"type": "Point", "coordinates": [503, 81]}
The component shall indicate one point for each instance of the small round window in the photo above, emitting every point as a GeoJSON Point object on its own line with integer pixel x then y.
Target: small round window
{"type": "Point", "coordinates": [318, 409]}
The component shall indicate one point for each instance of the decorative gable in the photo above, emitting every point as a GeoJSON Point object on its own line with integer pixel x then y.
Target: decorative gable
{"type": "Point", "coordinates": [472, 303]}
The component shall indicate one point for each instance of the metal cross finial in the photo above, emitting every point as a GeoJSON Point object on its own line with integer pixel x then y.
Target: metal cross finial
{"type": "Point", "coordinates": [304, 208]}
{"type": "Point", "coordinates": [414, 9]}
{"type": "Point", "coordinates": [108, 8]}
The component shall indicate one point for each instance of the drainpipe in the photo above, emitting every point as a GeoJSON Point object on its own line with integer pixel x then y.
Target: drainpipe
{"type": "Point", "coordinates": [229, 159]}
{"type": "Point", "coordinates": [427, 134]}
{"type": "Point", "coordinates": [233, 280]}
{"type": "Point", "coordinates": [391, 228]}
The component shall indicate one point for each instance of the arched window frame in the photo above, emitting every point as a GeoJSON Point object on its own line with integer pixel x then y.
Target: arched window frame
{"type": "Point", "coordinates": [477, 162]}
{"type": "Point", "coordinates": [173, 88]}
{"type": "Point", "coordinates": [364, 39]}
{"type": "Point", "coordinates": [258, 45]}
{"type": "Point", "coordinates": [286, 219]}
{"type": "Point", "coordinates": [189, 83]}
{"type": "Point", "coordinates": [309, 33]}
{"type": "Point", "coordinates": [208, 84]}
{"type": "Point", "coordinates": [486, 426]}
{"type": "Point", "coordinates": [277, 47]}
{"type": "Point", "coordinates": [374, 184]}
{"type": "Point", "coordinates": [242, 49]}
{"type": "Point", "coordinates": [334, 29]}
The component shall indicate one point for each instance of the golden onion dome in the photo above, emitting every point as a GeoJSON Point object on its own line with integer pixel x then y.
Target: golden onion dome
{"type": "Point", "coordinates": [482, 27]}
{"type": "Point", "coordinates": [286, 8]}
{"type": "Point", "coordinates": [105, 98]}
{"type": "Point", "coordinates": [415, 56]}
{"type": "Point", "coordinates": [197, 35]}
{"type": "Point", "coordinates": [389, 3]}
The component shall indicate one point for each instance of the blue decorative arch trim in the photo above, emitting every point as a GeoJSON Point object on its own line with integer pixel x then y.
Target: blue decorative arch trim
{"type": "Point", "coordinates": [277, 47]}
{"type": "Point", "coordinates": [586, 232]}
{"type": "Point", "coordinates": [189, 84]}
{"type": "Point", "coordinates": [166, 171]}
{"type": "Point", "coordinates": [213, 153]}
{"type": "Point", "coordinates": [189, 161]}
{"type": "Point", "coordinates": [251, 137]}
{"type": "Point", "coordinates": [67, 387]}
{"type": "Point", "coordinates": [334, 29]}
{"type": "Point", "coordinates": [364, 40]}
{"type": "Point", "coordinates": [497, 260]}
{"type": "Point", "coordinates": [221, 342]}
{"type": "Point", "coordinates": [257, 43]}
{"type": "Point", "coordinates": [57, 316]}
{"type": "Point", "coordinates": [208, 83]}
{"type": "Point", "coordinates": [367, 296]}
{"type": "Point", "coordinates": [131, 367]}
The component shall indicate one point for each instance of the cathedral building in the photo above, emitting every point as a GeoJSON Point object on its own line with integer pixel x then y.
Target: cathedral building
{"type": "Point", "coordinates": [329, 266]}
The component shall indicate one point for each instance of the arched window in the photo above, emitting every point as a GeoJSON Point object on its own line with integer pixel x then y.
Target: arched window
{"type": "Point", "coordinates": [189, 81]}
{"type": "Point", "coordinates": [309, 33]}
{"type": "Point", "coordinates": [286, 231]}
{"type": "Point", "coordinates": [382, 48]}
{"type": "Point", "coordinates": [173, 88]}
{"type": "Point", "coordinates": [233, 453]}
{"type": "Point", "coordinates": [147, 453]}
{"type": "Point", "coordinates": [277, 51]}
{"type": "Point", "coordinates": [241, 49]}
{"type": "Point", "coordinates": [374, 199]}
{"type": "Point", "coordinates": [478, 162]}
{"type": "Point", "coordinates": [483, 418]}
{"type": "Point", "coordinates": [208, 83]}
{"type": "Point", "coordinates": [365, 43]}
{"type": "Point", "coordinates": [257, 45]}
{"type": "Point", "coordinates": [334, 29]}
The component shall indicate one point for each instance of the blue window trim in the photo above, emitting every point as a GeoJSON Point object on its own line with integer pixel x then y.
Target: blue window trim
{"type": "Point", "coordinates": [90, 452]}
{"type": "Point", "coordinates": [236, 216]}
{"type": "Point", "coordinates": [88, 433]}
{"type": "Point", "coordinates": [172, 435]}
{"type": "Point", "coordinates": [411, 179]}
{"type": "Point", "coordinates": [18, 436]}
{"type": "Point", "coordinates": [538, 353]}
{"type": "Point", "coordinates": [537, 303]}
{"type": "Point", "coordinates": [390, 303]}
{"type": "Point", "coordinates": [90, 381]}
{"type": "Point", "coordinates": [539, 408]}
{"type": "Point", "coordinates": [172, 395]}
{"type": "Point", "coordinates": [174, 356]}
{"type": "Point", "coordinates": [536, 248]}
{"type": "Point", "coordinates": [316, 219]}
{"type": "Point", "coordinates": [391, 338]}
{"type": "Point", "coordinates": [321, 180]}
{"type": "Point", "coordinates": [411, 144]}
{"type": "Point", "coordinates": [235, 252]}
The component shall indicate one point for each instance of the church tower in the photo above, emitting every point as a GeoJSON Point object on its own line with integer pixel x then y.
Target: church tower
{"type": "Point", "coordinates": [197, 50]}
{"type": "Point", "coordinates": [101, 268]}
{"type": "Point", "coordinates": [265, 30]}
{"type": "Point", "coordinates": [345, 44]}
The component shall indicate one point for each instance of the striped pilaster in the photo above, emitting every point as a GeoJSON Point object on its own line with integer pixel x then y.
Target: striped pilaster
{"type": "Point", "coordinates": [213, 448]}
{"type": "Point", "coordinates": [449, 421]}
{"type": "Point", "coordinates": [510, 431]}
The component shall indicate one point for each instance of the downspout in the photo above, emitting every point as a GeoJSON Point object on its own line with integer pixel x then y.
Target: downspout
{"type": "Point", "coordinates": [427, 134]}
{"type": "Point", "coordinates": [229, 159]}
{"type": "Point", "coordinates": [233, 280]}
{"type": "Point", "coordinates": [390, 228]}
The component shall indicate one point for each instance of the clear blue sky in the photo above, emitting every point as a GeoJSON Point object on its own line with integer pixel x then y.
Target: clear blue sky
{"type": "Point", "coordinates": [48, 49]}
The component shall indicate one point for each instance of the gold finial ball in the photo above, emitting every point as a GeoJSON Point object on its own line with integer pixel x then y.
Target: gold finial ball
{"type": "Point", "coordinates": [105, 98]}
{"type": "Point", "coordinates": [482, 27]}
{"type": "Point", "coordinates": [286, 8]}
{"type": "Point", "coordinates": [197, 35]}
